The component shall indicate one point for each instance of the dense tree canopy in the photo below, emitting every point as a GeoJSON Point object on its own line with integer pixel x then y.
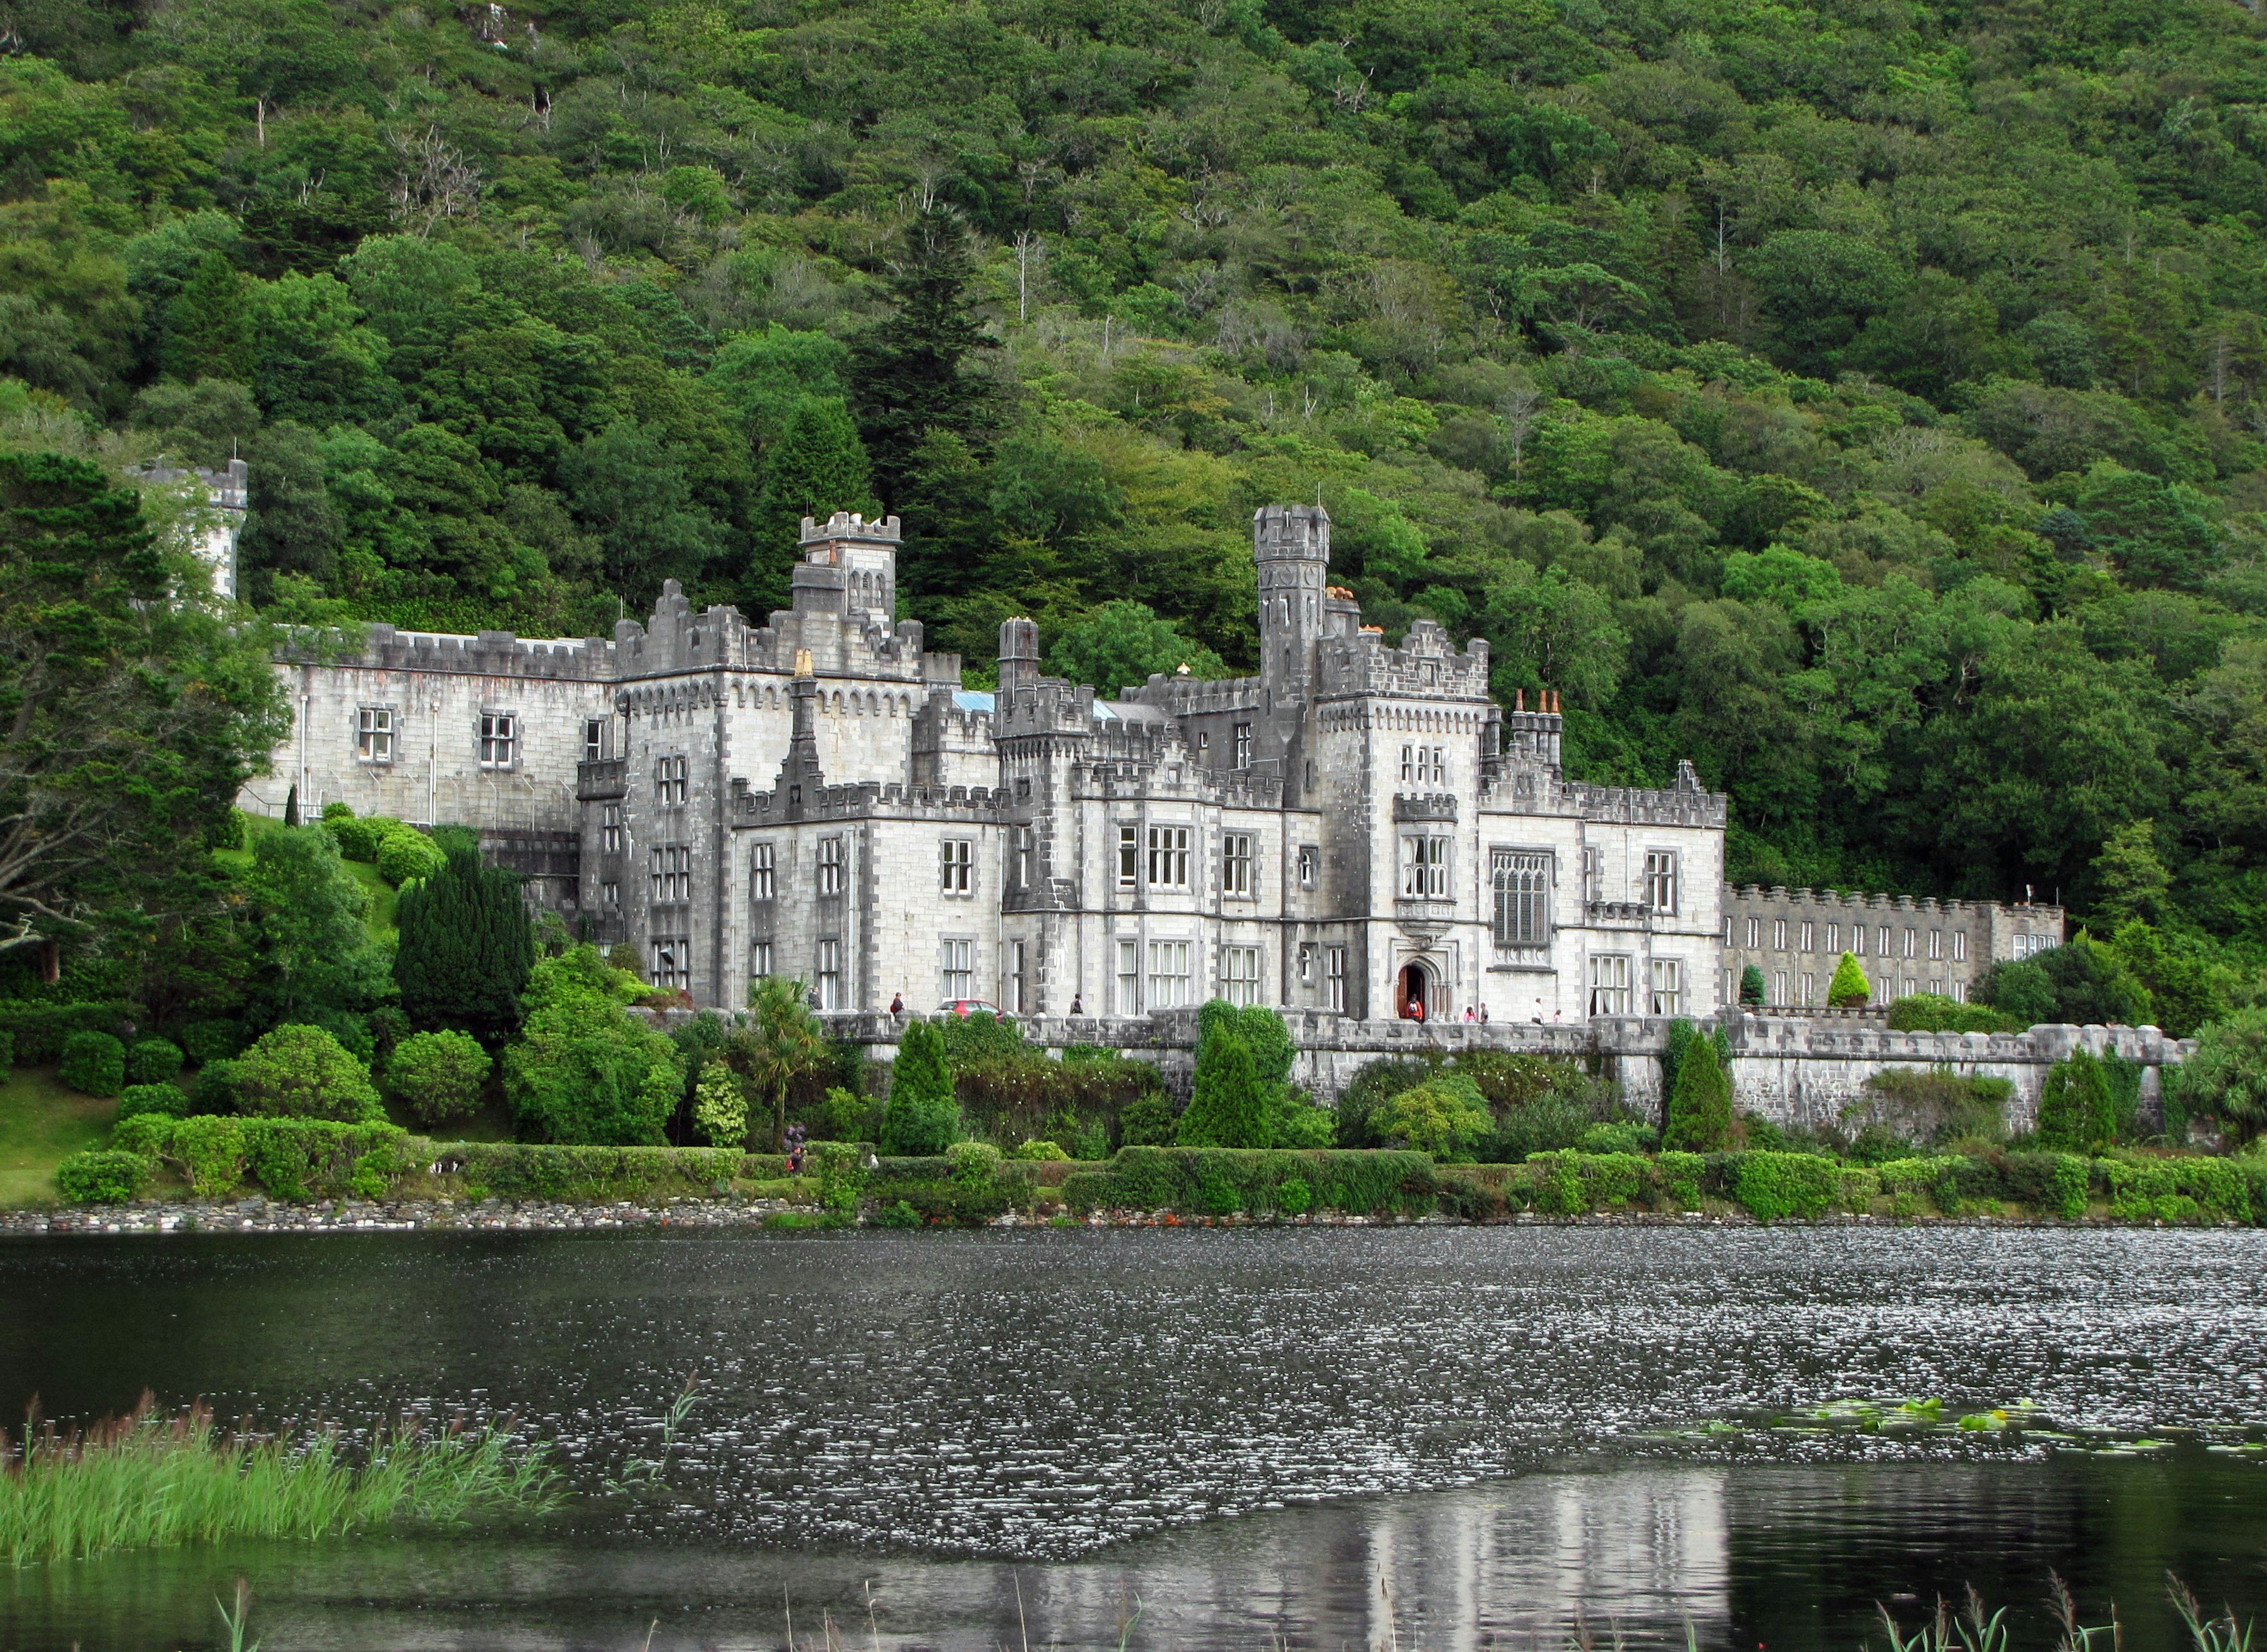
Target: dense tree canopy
{"type": "Point", "coordinates": [1867, 405]}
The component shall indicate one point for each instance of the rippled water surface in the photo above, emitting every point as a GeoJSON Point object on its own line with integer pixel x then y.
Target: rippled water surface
{"type": "Point", "coordinates": [1254, 1431]}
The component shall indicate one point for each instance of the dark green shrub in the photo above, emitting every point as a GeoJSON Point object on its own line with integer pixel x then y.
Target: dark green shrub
{"type": "Point", "coordinates": [922, 1114]}
{"type": "Point", "coordinates": [1372, 1086]}
{"type": "Point", "coordinates": [1552, 1123]}
{"type": "Point", "coordinates": [1699, 1110]}
{"type": "Point", "coordinates": [1195, 1181]}
{"type": "Point", "coordinates": [1752, 987]}
{"type": "Point", "coordinates": [438, 1076]}
{"type": "Point", "coordinates": [1150, 1121]}
{"type": "Point", "coordinates": [39, 1028]}
{"type": "Point", "coordinates": [467, 948]}
{"type": "Point", "coordinates": [94, 1064]}
{"type": "Point", "coordinates": [1676, 1180]}
{"type": "Point", "coordinates": [898, 1213]}
{"type": "Point", "coordinates": [1928, 1012]}
{"type": "Point", "coordinates": [102, 1176]}
{"type": "Point", "coordinates": [518, 1170]}
{"type": "Point", "coordinates": [218, 1088]}
{"type": "Point", "coordinates": [1774, 1186]}
{"type": "Point", "coordinates": [154, 1061]}
{"type": "Point", "coordinates": [2077, 1110]}
{"type": "Point", "coordinates": [2082, 982]}
{"type": "Point", "coordinates": [301, 1071]}
{"type": "Point", "coordinates": [359, 838]}
{"type": "Point", "coordinates": [7, 1055]}
{"type": "Point", "coordinates": [841, 1169]}
{"type": "Point", "coordinates": [1226, 1107]}
{"type": "Point", "coordinates": [1624, 1137]}
{"type": "Point", "coordinates": [166, 1098]}
{"type": "Point", "coordinates": [1444, 1116]}
{"type": "Point", "coordinates": [204, 1042]}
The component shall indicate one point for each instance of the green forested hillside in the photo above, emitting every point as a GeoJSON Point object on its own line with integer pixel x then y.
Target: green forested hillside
{"type": "Point", "coordinates": [1864, 399]}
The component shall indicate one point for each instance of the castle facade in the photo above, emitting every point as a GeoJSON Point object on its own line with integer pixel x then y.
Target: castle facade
{"type": "Point", "coordinates": [1359, 829]}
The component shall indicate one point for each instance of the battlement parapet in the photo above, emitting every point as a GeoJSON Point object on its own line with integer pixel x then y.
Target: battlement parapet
{"type": "Point", "coordinates": [486, 654]}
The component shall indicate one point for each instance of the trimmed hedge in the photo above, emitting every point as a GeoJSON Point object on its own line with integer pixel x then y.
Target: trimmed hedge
{"type": "Point", "coordinates": [291, 1158]}
{"type": "Point", "coordinates": [39, 1028]}
{"type": "Point", "coordinates": [94, 1064]}
{"type": "Point", "coordinates": [102, 1176]}
{"type": "Point", "coordinates": [1221, 1180]}
{"type": "Point", "coordinates": [516, 1170]}
{"type": "Point", "coordinates": [165, 1098]}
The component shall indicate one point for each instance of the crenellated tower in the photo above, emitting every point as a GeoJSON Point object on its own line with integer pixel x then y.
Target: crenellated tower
{"type": "Point", "coordinates": [1291, 546]}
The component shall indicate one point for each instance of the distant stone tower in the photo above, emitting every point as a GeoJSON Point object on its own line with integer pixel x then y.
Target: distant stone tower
{"type": "Point", "coordinates": [1291, 544]}
{"type": "Point", "coordinates": [1019, 657]}
{"type": "Point", "coordinates": [849, 567]}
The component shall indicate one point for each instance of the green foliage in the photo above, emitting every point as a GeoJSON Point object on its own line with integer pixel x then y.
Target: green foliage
{"type": "Point", "coordinates": [1932, 1012]}
{"type": "Point", "coordinates": [301, 1071]}
{"type": "Point", "coordinates": [814, 467]}
{"type": "Point", "coordinates": [41, 1029]}
{"type": "Point", "coordinates": [518, 1170]}
{"type": "Point", "coordinates": [210, 1151]}
{"type": "Point", "coordinates": [587, 1072]}
{"type": "Point", "coordinates": [974, 1164]}
{"type": "Point", "coordinates": [1149, 1121]}
{"type": "Point", "coordinates": [840, 1168]}
{"type": "Point", "coordinates": [406, 854]}
{"type": "Point", "coordinates": [1217, 1182]}
{"type": "Point", "coordinates": [154, 1060]}
{"type": "Point", "coordinates": [163, 1098]}
{"type": "Point", "coordinates": [1041, 1152]}
{"type": "Point", "coordinates": [314, 949]}
{"type": "Point", "coordinates": [102, 1176]}
{"type": "Point", "coordinates": [205, 1042]}
{"type": "Point", "coordinates": [2083, 983]}
{"type": "Point", "coordinates": [1444, 1116]}
{"type": "Point", "coordinates": [1699, 1109]}
{"type": "Point", "coordinates": [1774, 1186]}
{"type": "Point", "coordinates": [1227, 1106]}
{"type": "Point", "coordinates": [1122, 644]}
{"type": "Point", "coordinates": [134, 711]}
{"type": "Point", "coordinates": [720, 1106]}
{"type": "Point", "coordinates": [438, 1076]}
{"type": "Point", "coordinates": [94, 1063]}
{"type": "Point", "coordinates": [921, 1115]}
{"type": "Point", "coordinates": [2227, 1077]}
{"type": "Point", "coordinates": [217, 1088]}
{"type": "Point", "coordinates": [1849, 989]}
{"type": "Point", "coordinates": [360, 837]}
{"type": "Point", "coordinates": [1751, 985]}
{"type": "Point", "coordinates": [779, 1042]}
{"type": "Point", "coordinates": [466, 946]}
{"type": "Point", "coordinates": [2077, 1112]}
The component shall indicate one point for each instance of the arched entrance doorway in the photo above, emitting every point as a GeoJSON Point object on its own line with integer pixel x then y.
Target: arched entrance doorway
{"type": "Point", "coordinates": [1412, 991]}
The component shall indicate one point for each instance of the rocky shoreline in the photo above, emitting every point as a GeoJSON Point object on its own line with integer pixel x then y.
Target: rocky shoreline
{"type": "Point", "coordinates": [399, 1216]}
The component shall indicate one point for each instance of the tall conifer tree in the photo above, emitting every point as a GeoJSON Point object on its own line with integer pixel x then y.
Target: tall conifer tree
{"type": "Point", "coordinates": [466, 947]}
{"type": "Point", "coordinates": [817, 467]}
{"type": "Point", "coordinates": [907, 375]}
{"type": "Point", "coordinates": [208, 325]}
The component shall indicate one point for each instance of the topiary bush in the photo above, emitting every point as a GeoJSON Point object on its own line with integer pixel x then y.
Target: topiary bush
{"type": "Point", "coordinates": [361, 839]}
{"type": "Point", "coordinates": [2078, 1113]}
{"type": "Point", "coordinates": [1700, 1108]}
{"type": "Point", "coordinates": [1044, 1152]}
{"type": "Point", "coordinates": [300, 1071]}
{"type": "Point", "coordinates": [438, 1076]}
{"type": "Point", "coordinates": [94, 1064]}
{"type": "Point", "coordinates": [102, 1175]}
{"type": "Point", "coordinates": [164, 1099]}
{"type": "Point", "coordinates": [1774, 1186]}
{"type": "Point", "coordinates": [406, 854]}
{"type": "Point", "coordinates": [1849, 989]}
{"type": "Point", "coordinates": [154, 1061]}
{"type": "Point", "coordinates": [1227, 1107]}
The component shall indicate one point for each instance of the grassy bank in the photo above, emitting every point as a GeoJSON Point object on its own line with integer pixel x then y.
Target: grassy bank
{"type": "Point", "coordinates": [150, 1481]}
{"type": "Point", "coordinates": [41, 1122]}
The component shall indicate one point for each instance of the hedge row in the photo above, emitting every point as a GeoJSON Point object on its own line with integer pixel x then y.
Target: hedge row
{"type": "Point", "coordinates": [39, 1028]}
{"type": "Point", "coordinates": [291, 1158]}
{"type": "Point", "coordinates": [514, 1170]}
{"type": "Point", "coordinates": [1221, 1180]}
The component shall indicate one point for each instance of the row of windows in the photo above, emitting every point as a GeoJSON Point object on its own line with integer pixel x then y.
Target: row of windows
{"type": "Point", "coordinates": [1612, 993]}
{"type": "Point", "coordinates": [377, 729]}
{"type": "Point", "coordinates": [672, 872]}
{"type": "Point", "coordinates": [1240, 736]}
{"type": "Point", "coordinates": [1805, 935]}
{"type": "Point", "coordinates": [1425, 765]}
{"type": "Point", "coordinates": [1808, 988]}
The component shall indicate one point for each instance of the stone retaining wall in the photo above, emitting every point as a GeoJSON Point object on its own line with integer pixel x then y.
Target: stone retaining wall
{"type": "Point", "coordinates": [1792, 1070]}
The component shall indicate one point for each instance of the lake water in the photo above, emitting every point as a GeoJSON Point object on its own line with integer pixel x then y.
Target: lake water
{"type": "Point", "coordinates": [1395, 1438]}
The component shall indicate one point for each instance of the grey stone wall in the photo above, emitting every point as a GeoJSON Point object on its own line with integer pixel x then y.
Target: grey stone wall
{"type": "Point", "coordinates": [1794, 1071]}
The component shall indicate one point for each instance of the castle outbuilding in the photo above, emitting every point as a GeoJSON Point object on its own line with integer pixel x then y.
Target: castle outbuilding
{"type": "Point", "coordinates": [1358, 829]}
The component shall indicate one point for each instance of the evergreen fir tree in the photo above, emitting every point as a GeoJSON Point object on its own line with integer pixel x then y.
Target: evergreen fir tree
{"type": "Point", "coordinates": [907, 369]}
{"type": "Point", "coordinates": [466, 947]}
{"type": "Point", "coordinates": [817, 467]}
{"type": "Point", "coordinates": [1849, 989]}
{"type": "Point", "coordinates": [208, 325]}
{"type": "Point", "coordinates": [922, 1115]}
{"type": "Point", "coordinates": [1228, 1106]}
{"type": "Point", "coordinates": [291, 807]}
{"type": "Point", "coordinates": [2078, 1113]}
{"type": "Point", "coordinates": [1700, 1109]}
{"type": "Point", "coordinates": [1751, 985]}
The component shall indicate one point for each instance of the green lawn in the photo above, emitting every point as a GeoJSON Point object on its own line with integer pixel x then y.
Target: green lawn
{"type": "Point", "coordinates": [41, 1123]}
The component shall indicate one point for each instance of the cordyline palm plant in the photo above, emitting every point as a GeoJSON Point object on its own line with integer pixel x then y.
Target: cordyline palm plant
{"type": "Point", "coordinates": [778, 1042]}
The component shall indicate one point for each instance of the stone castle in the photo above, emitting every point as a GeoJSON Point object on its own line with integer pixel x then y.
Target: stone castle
{"type": "Point", "coordinates": [1359, 831]}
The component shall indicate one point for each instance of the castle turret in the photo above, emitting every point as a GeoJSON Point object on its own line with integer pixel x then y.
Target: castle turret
{"type": "Point", "coordinates": [1291, 546]}
{"type": "Point", "coordinates": [1019, 657]}
{"type": "Point", "coordinates": [849, 567]}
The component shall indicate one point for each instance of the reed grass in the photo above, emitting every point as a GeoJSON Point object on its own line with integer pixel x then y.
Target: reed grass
{"type": "Point", "coordinates": [152, 1480]}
